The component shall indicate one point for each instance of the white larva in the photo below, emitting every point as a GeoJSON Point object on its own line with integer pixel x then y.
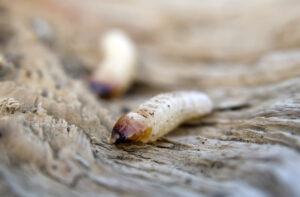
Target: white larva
{"type": "Point", "coordinates": [118, 67]}
{"type": "Point", "coordinates": [159, 115]}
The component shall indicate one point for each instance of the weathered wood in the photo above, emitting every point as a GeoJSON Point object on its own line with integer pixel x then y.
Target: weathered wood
{"type": "Point", "coordinates": [54, 131]}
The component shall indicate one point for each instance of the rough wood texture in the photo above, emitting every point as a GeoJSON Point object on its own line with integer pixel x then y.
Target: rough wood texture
{"type": "Point", "coordinates": [54, 131]}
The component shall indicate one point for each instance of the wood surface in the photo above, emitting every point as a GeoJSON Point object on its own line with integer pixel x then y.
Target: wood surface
{"type": "Point", "coordinates": [54, 130]}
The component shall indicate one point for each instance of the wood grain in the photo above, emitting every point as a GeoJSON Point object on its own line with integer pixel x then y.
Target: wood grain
{"type": "Point", "coordinates": [54, 131]}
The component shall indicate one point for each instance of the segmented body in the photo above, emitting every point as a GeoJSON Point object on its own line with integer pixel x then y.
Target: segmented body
{"type": "Point", "coordinates": [160, 115]}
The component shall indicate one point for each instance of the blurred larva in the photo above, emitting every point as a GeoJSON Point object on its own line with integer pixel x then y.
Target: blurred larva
{"type": "Point", "coordinates": [159, 115]}
{"type": "Point", "coordinates": [116, 71]}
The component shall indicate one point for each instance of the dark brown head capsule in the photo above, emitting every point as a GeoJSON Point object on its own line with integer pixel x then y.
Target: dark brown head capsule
{"type": "Point", "coordinates": [130, 127]}
{"type": "Point", "coordinates": [104, 90]}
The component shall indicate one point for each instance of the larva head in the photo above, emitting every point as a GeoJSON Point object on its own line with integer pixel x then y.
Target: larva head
{"type": "Point", "coordinates": [130, 127]}
{"type": "Point", "coordinates": [105, 90]}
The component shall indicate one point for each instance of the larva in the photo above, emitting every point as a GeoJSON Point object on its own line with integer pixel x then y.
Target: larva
{"type": "Point", "coordinates": [159, 115]}
{"type": "Point", "coordinates": [117, 69]}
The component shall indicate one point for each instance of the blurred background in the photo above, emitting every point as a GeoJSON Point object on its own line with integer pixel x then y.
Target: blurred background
{"type": "Point", "coordinates": [181, 44]}
{"type": "Point", "coordinates": [54, 130]}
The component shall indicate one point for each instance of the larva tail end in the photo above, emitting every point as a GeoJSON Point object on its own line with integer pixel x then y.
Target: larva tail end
{"type": "Point", "coordinates": [104, 90]}
{"type": "Point", "coordinates": [130, 128]}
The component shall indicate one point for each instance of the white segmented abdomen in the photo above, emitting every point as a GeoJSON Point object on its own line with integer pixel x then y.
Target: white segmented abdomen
{"type": "Point", "coordinates": [160, 115]}
{"type": "Point", "coordinates": [117, 69]}
{"type": "Point", "coordinates": [170, 110]}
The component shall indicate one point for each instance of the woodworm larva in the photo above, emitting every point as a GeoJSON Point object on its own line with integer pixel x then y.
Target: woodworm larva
{"type": "Point", "coordinates": [117, 70]}
{"type": "Point", "coordinates": [159, 115]}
